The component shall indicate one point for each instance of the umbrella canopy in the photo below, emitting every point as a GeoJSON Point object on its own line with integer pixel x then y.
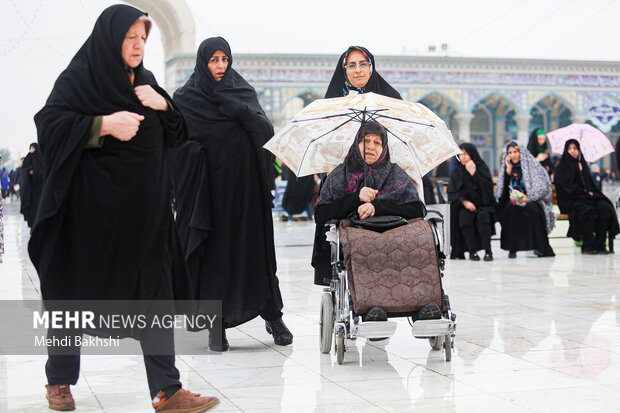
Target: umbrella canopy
{"type": "Point", "coordinates": [318, 138]}
{"type": "Point", "coordinates": [594, 144]}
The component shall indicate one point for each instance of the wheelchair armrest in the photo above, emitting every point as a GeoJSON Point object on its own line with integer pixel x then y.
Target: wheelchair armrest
{"type": "Point", "coordinates": [433, 211]}
{"type": "Point", "coordinates": [335, 222]}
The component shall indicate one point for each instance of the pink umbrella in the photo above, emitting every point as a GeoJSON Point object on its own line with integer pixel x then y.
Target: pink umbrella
{"type": "Point", "coordinates": [594, 144]}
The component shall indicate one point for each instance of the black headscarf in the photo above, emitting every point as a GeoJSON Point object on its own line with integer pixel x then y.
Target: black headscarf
{"type": "Point", "coordinates": [389, 179]}
{"type": "Point", "coordinates": [461, 185]}
{"type": "Point", "coordinates": [569, 178]}
{"type": "Point", "coordinates": [376, 84]}
{"type": "Point", "coordinates": [209, 104]}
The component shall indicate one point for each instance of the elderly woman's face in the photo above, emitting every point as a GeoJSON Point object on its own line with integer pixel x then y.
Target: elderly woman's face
{"type": "Point", "coordinates": [132, 50]}
{"type": "Point", "coordinates": [218, 63]}
{"type": "Point", "coordinates": [573, 151]}
{"type": "Point", "coordinates": [464, 157]}
{"type": "Point", "coordinates": [514, 155]}
{"type": "Point", "coordinates": [373, 146]}
{"type": "Point", "coordinates": [358, 69]}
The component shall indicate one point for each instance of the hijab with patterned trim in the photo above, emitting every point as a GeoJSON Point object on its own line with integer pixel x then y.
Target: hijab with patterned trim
{"type": "Point", "coordinates": [389, 179]}
{"type": "Point", "coordinates": [340, 86]}
{"type": "Point", "coordinates": [533, 178]}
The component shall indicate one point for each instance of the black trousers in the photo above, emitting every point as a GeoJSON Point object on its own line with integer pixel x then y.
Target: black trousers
{"type": "Point", "coordinates": [161, 372]}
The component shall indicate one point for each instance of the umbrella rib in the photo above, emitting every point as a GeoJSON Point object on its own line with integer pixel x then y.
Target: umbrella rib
{"type": "Point", "coordinates": [405, 121]}
{"type": "Point", "coordinates": [401, 140]}
{"type": "Point", "coordinates": [316, 139]}
{"type": "Point", "coordinates": [324, 117]}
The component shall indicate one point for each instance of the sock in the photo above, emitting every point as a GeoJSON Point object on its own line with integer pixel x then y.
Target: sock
{"type": "Point", "coordinates": [163, 395]}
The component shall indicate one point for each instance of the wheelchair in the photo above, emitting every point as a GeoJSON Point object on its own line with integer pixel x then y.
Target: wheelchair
{"type": "Point", "coordinates": [338, 320]}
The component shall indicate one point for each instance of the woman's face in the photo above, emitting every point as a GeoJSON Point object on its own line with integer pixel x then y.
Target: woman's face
{"type": "Point", "coordinates": [541, 139]}
{"type": "Point", "coordinates": [358, 69]}
{"type": "Point", "coordinates": [218, 63]}
{"type": "Point", "coordinates": [374, 147]}
{"type": "Point", "coordinates": [573, 151]}
{"type": "Point", "coordinates": [464, 157]}
{"type": "Point", "coordinates": [132, 49]}
{"type": "Point", "coordinates": [514, 155]}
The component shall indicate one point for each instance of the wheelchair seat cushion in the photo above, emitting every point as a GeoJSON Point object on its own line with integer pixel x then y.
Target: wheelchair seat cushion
{"type": "Point", "coordinates": [396, 270]}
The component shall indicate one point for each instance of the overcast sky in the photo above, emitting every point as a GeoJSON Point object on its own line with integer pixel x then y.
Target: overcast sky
{"type": "Point", "coordinates": [38, 38]}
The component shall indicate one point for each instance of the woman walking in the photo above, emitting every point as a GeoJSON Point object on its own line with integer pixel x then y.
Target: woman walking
{"type": "Point", "coordinates": [221, 183]}
{"type": "Point", "coordinates": [104, 229]}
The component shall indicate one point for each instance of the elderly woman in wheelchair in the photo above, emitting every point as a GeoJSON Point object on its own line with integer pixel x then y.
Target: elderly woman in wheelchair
{"type": "Point", "coordinates": [369, 212]}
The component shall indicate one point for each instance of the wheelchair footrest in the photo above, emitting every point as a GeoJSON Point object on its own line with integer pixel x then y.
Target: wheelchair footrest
{"type": "Point", "coordinates": [375, 329]}
{"type": "Point", "coordinates": [433, 328]}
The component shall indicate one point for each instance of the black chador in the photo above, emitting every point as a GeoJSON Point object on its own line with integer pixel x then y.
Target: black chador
{"type": "Point", "coordinates": [221, 183]}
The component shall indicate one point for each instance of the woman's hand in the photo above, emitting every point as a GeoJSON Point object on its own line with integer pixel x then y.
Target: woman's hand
{"type": "Point", "coordinates": [469, 205]}
{"type": "Point", "coordinates": [366, 210]}
{"type": "Point", "coordinates": [150, 98]}
{"type": "Point", "coordinates": [471, 167]}
{"type": "Point", "coordinates": [121, 125]}
{"type": "Point", "coordinates": [590, 193]}
{"type": "Point", "coordinates": [508, 166]}
{"type": "Point", "coordinates": [541, 157]}
{"type": "Point", "coordinates": [368, 194]}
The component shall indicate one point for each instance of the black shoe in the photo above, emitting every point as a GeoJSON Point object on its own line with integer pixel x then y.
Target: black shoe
{"type": "Point", "coordinates": [488, 256]}
{"type": "Point", "coordinates": [589, 251]}
{"type": "Point", "coordinates": [281, 334]}
{"type": "Point", "coordinates": [376, 314]}
{"type": "Point", "coordinates": [512, 254]}
{"type": "Point", "coordinates": [457, 257]}
{"type": "Point", "coordinates": [430, 311]}
{"type": "Point", "coordinates": [217, 343]}
{"type": "Point", "coordinates": [474, 256]}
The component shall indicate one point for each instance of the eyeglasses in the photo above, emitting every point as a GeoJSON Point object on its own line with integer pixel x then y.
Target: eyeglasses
{"type": "Point", "coordinates": [353, 66]}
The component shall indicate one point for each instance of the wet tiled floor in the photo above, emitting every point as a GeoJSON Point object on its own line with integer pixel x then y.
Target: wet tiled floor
{"type": "Point", "coordinates": [534, 335]}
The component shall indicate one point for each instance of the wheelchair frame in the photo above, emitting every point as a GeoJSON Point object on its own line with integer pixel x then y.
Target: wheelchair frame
{"type": "Point", "coordinates": [338, 322]}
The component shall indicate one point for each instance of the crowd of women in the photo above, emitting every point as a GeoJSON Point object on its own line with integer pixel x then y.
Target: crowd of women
{"type": "Point", "coordinates": [521, 201]}
{"type": "Point", "coordinates": [115, 146]}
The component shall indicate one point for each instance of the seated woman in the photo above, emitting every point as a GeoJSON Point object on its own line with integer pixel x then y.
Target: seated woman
{"type": "Point", "coordinates": [591, 214]}
{"type": "Point", "coordinates": [539, 147]}
{"type": "Point", "coordinates": [524, 193]}
{"type": "Point", "coordinates": [369, 184]}
{"type": "Point", "coordinates": [472, 206]}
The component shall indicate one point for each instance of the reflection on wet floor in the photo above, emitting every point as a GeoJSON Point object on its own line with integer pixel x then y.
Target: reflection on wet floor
{"type": "Point", "coordinates": [534, 335]}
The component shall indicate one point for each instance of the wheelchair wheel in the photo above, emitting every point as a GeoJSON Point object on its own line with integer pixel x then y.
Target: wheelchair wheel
{"type": "Point", "coordinates": [327, 322]}
{"type": "Point", "coordinates": [436, 342]}
{"type": "Point", "coordinates": [447, 345]}
{"type": "Point", "coordinates": [340, 348]}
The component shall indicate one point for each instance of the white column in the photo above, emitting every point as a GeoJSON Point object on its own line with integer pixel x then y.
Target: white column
{"type": "Point", "coordinates": [523, 126]}
{"type": "Point", "coordinates": [579, 118]}
{"type": "Point", "coordinates": [464, 120]}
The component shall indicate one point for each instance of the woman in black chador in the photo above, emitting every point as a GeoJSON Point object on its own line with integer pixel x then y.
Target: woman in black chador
{"type": "Point", "coordinates": [356, 73]}
{"type": "Point", "coordinates": [591, 214]}
{"type": "Point", "coordinates": [539, 147]}
{"type": "Point", "coordinates": [104, 230]}
{"type": "Point", "coordinates": [524, 194]}
{"type": "Point", "coordinates": [379, 188]}
{"type": "Point", "coordinates": [221, 183]}
{"type": "Point", "coordinates": [472, 206]}
{"type": "Point", "coordinates": [33, 170]}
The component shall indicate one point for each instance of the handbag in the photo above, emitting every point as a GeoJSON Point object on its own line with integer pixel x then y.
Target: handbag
{"type": "Point", "coordinates": [380, 223]}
